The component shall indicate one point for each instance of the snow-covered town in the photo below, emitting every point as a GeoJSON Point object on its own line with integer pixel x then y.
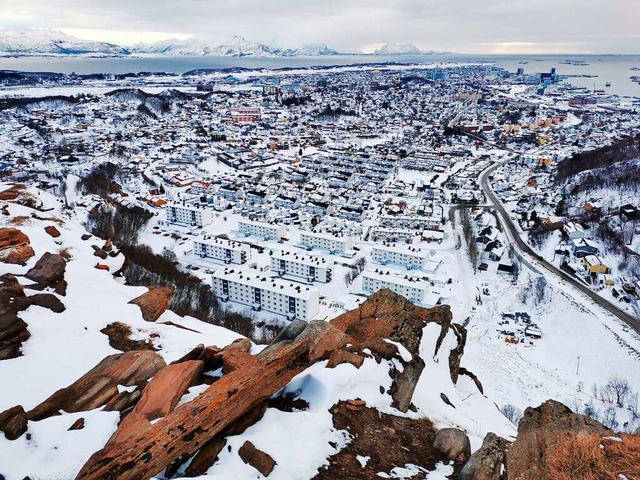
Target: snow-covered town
{"type": "Point", "coordinates": [297, 194]}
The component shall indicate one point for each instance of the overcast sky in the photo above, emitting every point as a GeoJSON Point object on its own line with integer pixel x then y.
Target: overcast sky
{"type": "Point", "coordinates": [464, 26]}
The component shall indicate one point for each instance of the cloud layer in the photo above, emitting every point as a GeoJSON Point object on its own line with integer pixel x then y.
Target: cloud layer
{"type": "Point", "coordinates": [471, 26]}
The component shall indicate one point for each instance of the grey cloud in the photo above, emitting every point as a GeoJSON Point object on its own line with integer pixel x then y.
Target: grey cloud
{"type": "Point", "coordinates": [461, 25]}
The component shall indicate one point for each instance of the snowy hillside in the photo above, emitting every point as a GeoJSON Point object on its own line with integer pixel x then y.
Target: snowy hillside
{"type": "Point", "coordinates": [47, 42]}
{"type": "Point", "coordinates": [398, 49]}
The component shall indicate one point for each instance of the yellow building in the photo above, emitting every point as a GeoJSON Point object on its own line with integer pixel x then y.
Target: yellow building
{"type": "Point", "coordinates": [593, 264]}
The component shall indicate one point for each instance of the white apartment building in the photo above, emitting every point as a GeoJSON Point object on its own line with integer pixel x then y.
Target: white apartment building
{"type": "Point", "coordinates": [266, 231]}
{"type": "Point", "coordinates": [409, 259]}
{"type": "Point", "coordinates": [412, 289]}
{"type": "Point", "coordinates": [311, 269]}
{"type": "Point", "coordinates": [296, 302]}
{"type": "Point", "coordinates": [221, 249]}
{"type": "Point", "coordinates": [323, 241]}
{"type": "Point", "coordinates": [188, 215]}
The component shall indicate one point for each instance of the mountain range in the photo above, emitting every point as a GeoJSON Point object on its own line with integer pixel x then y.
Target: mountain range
{"type": "Point", "coordinates": [27, 43]}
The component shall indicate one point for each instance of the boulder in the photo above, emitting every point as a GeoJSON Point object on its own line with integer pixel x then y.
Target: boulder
{"type": "Point", "coordinates": [488, 462]}
{"type": "Point", "coordinates": [47, 300]}
{"type": "Point", "coordinates": [49, 271]}
{"type": "Point", "coordinates": [52, 231]}
{"type": "Point", "coordinates": [257, 458]}
{"type": "Point", "coordinates": [338, 357]}
{"type": "Point", "coordinates": [154, 303]}
{"type": "Point", "coordinates": [13, 422]}
{"type": "Point", "coordinates": [454, 443]}
{"type": "Point", "coordinates": [98, 386]}
{"type": "Point", "coordinates": [405, 382]}
{"type": "Point", "coordinates": [538, 431]}
{"type": "Point", "coordinates": [15, 246]}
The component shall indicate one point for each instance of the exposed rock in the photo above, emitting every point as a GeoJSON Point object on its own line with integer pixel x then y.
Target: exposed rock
{"type": "Point", "coordinates": [288, 402]}
{"type": "Point", "coordinates": [257, 458]}
{"type": "Point", "coordinates": [108, 245]}
{"type": "Point", "coordinates": [339, 357]}
{"type": "Point", "coordinates": [205, 457]}
{"type": "Point", "coordinates": [120, 338]}
{"type": "Point", "coordinates": [456, 353]}
{"type": "Point", "coordinates": [357, 402]}
{"type": "Point", "coordinates": [77, 425]}
{"type": "Point", "coordinates": [191, 355]}
{"type": "Point", "coordinates": [473, 377]}
{"type": "Point", "coordinates": [49, 272]}
{"type": "Point", "coordinates": [211, 358]}
{"type": "Point", "coordinates": [245, 421]}
{"type": "Point", "coordinates": [454, 443]}
{"type": "Point", "coordinates": [390, 441]}
{"type": "Point", "coordinates": [13, 422]}
{"type": "Point", "coordinates": [387, 315]}
{"type": "Point", "coordinates": [86, 237]}
{"type": "Point", "coordinates": [13, 332]}
{"type": "Point", "coordinates": [540, 429]}
{"type": "Point", "coordinates": [123, 402]}
{"type": "Point", "coordinates": [446, 400]}
{"type": "Point", "coordinates": [154, 303]}
{"type": "Point", "coordinates": [101, 254]}
{"type": "Point", "coordinates": [159, 397]}
{"type": "Point", "coordinates": [47, 300]}
{"type": "Point", "coordinates": [15, 246]}
{"type": "Point", "coordinates": [405, 382]}
{"type": "Point", "coordinates": [12, 192]}
{"type": "Point", "coordinates": [100, 384]}
{"type": "Point", "coordinates": [53, 231]}
{"type": "Point", "coordinates": [488, 462]}
{"type": "Point", "coordinates": [188, 427]}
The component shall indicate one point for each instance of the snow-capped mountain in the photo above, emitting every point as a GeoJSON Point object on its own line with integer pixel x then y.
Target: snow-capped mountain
{"type": "Point", "coordinates": [232, 47]}
{"type": "Point", "coordinates": [398, 49]}
{"type": "Point", "coordinates": [403, 49]}
{"type": "Point", "coordinates": [48, 42]}
{"type": "Point", "coordinates": [309, 50]}
{"type": "Point", "coordinates": [235, 46]}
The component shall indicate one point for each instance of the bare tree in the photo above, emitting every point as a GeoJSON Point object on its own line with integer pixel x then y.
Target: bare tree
{"type": "Point", "coordinates": [513, 413]}
{"type": "Point", "coordinates": [618, 389]}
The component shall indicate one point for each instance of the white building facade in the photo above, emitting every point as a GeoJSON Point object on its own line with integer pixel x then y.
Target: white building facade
{"type": "Point", "coordinates": [296, 302]}
{"type": "Point", "coordinates": [413, 290]}
{"type": "Point", "coordinates": [411, 260]}
{"type": "Point", "coordinates": [266, 231]}
{"type": "Point", "coordinates": [221, 249]}
{"type": "Point", "coordinates": [326, 242]}
{"type": "Point", "coordinates": [311, 269]}
{"type": "Point", "coordinates": [188, 215]}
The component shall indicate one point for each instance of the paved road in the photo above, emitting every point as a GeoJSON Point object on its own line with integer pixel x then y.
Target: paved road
{"type": "Point", "coordinates": [524, 248]}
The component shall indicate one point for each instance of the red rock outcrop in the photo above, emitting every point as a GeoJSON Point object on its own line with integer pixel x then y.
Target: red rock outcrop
{"type": "Point", "coordinates": [387, 315]}
{"type": "Point", "coordinates": [100, 384]}
{"type": "Point", "coordinates": [538, 431]}
{"type": "Point", "coordinates": [190, 426]}
{"type": "Point", "coordinates": [159, 397]}
{"type": "Point", "coordinates": [154, 303]}
{"type": "Point", "coordinates": [15, 246]}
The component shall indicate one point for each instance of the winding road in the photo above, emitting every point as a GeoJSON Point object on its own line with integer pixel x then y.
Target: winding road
{"type": "Point", "coordinates": [524, 249]}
